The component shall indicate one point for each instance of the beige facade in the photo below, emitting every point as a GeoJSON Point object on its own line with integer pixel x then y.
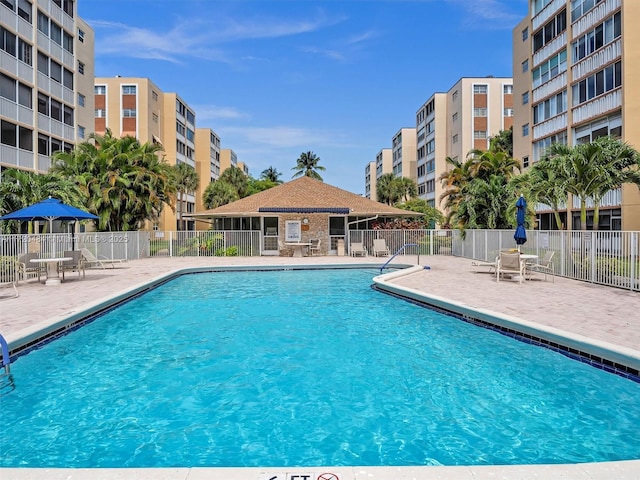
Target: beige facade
{"type": "Point", "coordinates": [207, 166]}
{"type": "Point", "coordinates": [575, 67]}
{"type": "Point", "coordinates": [454, 123]}
{"type": "Point", "coordinates": [228, 158]}
{"type": "Point", "coordinates": [46, 89]}
{"type": "Point", "coordinates": [403, 148]}
{"type": "Point", "coordinates": [137, 107]}
{"type": "Point", "coordinates": [374, 170]}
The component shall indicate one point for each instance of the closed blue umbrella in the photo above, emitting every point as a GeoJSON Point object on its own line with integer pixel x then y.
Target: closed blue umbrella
{"type": "Point", "coordinates": [521, 234]}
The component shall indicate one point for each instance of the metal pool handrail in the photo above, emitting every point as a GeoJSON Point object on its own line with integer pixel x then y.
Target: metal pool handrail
{"type": "Point", "coordinates": [399, 250]}
{"type": "Point", "coordinates": [6, 360]}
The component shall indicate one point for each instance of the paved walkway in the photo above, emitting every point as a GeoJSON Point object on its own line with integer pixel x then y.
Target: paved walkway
{"type": "Point", "coordinates": [601, 313]}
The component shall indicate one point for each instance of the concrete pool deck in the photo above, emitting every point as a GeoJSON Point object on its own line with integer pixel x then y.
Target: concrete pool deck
{"type": "Point", "coordinates": [597, 312]}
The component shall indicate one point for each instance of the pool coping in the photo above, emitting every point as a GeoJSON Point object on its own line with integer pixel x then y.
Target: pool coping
{"type": "Point", "coordinates": [621, 470]}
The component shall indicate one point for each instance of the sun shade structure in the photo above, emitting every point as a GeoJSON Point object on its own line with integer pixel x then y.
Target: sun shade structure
{"type": "Point", "coordinates": [49, 209]}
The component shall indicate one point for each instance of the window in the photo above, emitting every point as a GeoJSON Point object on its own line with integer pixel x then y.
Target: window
{"type": "Point", "coordinates": [580, 7]}
{"type": "Point", "coordinates": [479, 134]}
{"type": "Point", "coordinates": [154, 117]}
{"type": "Point", "coordinates": [507, 89]}
{"type": "Point", "coordinates": [128, 89]}
{"type": "Point", "coordinates": [480, 89]}
{"type": "Point", "coordinates": [43, 104]}
{"type": "Point", "coordinates": [525, 98]}
{"type": "Point", "coordinates": [595, 39]}
{"type": "Point", "coordinates": [525, 130]}
{"type": "Point", "coordinates": [56, 71]}
{"type": "Point", "coordinates": [24, 95]}
{"type": "Point", "coordinates": [24, 52]}
{"type": "Point", "coordinates": [479, 112]}
{"type": "Point", "coordinates": [43, 23]}
{"type": "Point", "coordinates": [7, 87]}
{"type": "Point", "coordinates": [81, 36]}
{"type": "Point", "coordinates": [525, 162]}
{"type": "Point", "coordinates": [8, 133]}
{"type": "Point", "coordinates": [154, 96]}
{"type": "Point", "coordinates": [24, 10]}
{"type": "Point", "coordinates": [100, 113]}
{"type": "Point", "coordinates": [525, 66]}
{"type": "Point", "coordinates": [100, 90]}
{"type": "Point", "coordinates": [454, 117]}
{"type": "Point", "coordinates": [129, 112]}
{"type": "Point", "coordinates": [525, 34]}
{"type": "Point", "coordinates": [81, 131]}
{"type": "Point", "coordinates": [43, 64]}
{"type": "Point", "coordinates": [454, 139]}
{"type": "Point", "coordinates": [81, 68]}
{"type": "Point", "coordinates": [550, 30]}
{"type": "Point", "coordinates": [43, 144]}
{"type": "Point", "coordinates": [25, 139]}
{"type": "Point", "coordinates": [68, 115]}
{"type": "Point", "coordinates": [600, 82]}
{"type": "Point", "coordinates": [508, 112]}
{"type": "Point", "coordinates": [81, 100]}
{"type": "Point", "coordinates": [550, 69]}
{"type": "Point", "coordinates": [56, 33]}
{"type": "Point", "coordinates": [67, 42]}
{"type": "Point", "coordinates": [67, 79]}
{"type": "Point", "coordinates": [550, 108]}
{"type": "Point", "coordinates": [9, 4]}
{"type": "Point", "coordinates": [7, 41]}
{"type": "Point", "coordinates": [454, 96]}
{"type": "Point", "coordinates": [56, 109]}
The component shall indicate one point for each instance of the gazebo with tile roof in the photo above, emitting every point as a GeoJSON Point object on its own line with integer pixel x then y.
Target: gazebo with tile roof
{"type": "Point", "coordinates": [320, 211]}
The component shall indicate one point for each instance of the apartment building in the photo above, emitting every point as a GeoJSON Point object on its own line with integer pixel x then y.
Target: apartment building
{"type": "Point", "coordinates": [403, 151]}
{"type": "Point", "coordinates": [207, 165]}
{"type": "Point", "coordinates": [137, 107]}
{"type": "Point", "coordinates": [228, 158]}
{"type": "Point", "coordinates": [576, 65]}
{"type": "Point", "coordinates": [374, 170]}
{"type": "Point", "coordinates": [46, 81]}
{"type": "Point", "coordinates": [454, 123]}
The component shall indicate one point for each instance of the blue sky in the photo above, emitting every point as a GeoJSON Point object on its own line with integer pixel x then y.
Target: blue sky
{"type": "Point", "coordinates": [277, 78]}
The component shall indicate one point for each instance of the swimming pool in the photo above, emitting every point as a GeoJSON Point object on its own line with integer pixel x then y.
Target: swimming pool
{"type": "Point", "coordinates": [324, 371]}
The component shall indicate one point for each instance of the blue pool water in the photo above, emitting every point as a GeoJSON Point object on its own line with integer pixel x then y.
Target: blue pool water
{"type": "Point", "coordinates": [304, 368]}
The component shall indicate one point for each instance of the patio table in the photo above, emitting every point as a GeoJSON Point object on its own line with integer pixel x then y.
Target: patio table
{"type": "Point", "coordinates": [53, 277]}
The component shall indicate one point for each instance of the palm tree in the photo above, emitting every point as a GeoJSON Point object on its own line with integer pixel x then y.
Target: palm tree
{"type": "Point", "coordinates": [20, 188]}
{"type": "Point", "coordinates": [307, 164]}
{"type": "Point", "coordinates": [547, 185]}
{"type": "Point", "coordinates": [187, 181]}
{"type": "Point", "coordinates": [126, 183]}
{"type": "Point", "coordinates": [407, 188]}
{"type": "Point", "coordinates": [218, 193]}
{"type": "Point", "coordinates": [272, 175]}
{"type": "Point", "coordinates": [387, 189]}
{"type": "Point", "coordinates": [235, 177]}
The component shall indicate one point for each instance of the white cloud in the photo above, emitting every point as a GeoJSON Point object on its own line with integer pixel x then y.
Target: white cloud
{"type": "Point", "coordinates": [215, 112]}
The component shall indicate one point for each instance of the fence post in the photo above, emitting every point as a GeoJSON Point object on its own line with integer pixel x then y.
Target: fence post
{"type": "Point", "coordinates": [171, 244]}
{"type": "Point", "coordinates": [633, 275]}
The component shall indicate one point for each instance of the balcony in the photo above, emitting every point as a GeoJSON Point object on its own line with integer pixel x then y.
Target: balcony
{"type": "Point", "coordinates": [544, 129]}
{"type": "Point", "coordinates": [597, 60]}
{"type": "Point", "coordinates": [546, 13]}
{"type": "Point", "coordinates": [552, 86]}
{"type": "Point", "coordinates": [597, 106]}
{"type": "Point", "coordinates": [612, 198]}
{"type": "Point", "coordinates": [550, 48]}
{"type": "Point", "coordinates": [594, 16]}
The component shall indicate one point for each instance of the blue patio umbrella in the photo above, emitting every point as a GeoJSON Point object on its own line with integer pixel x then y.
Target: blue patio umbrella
{"type": "Point", "coordinates": [521, 234]}
{"type": "Point", "coordinates": [49, 209]}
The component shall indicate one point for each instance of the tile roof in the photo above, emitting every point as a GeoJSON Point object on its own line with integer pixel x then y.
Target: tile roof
{"type": "Point", "coordinates": [303, 193]}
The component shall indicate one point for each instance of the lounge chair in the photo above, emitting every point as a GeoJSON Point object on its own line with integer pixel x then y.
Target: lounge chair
{"type": "Point", "coordinates": [510, 264]}
{"type": "Point", "coordinates": [356, 249]}
{"type": "Point", "coordinates": [543, 266]}
{"type": "Point", "coordinates": [76, 264]}
{"type": "Point", "coordinates": [314, 247]}
{"type": "Point", "coordinates": [27, 269]}
{"type": "Point", "coordinates": [9, 275]}
{"type": "Point", "coordinates": [482, 264]}
{"type": "Point", "coordinates": [90, 260]}
{"type": "Point", "coordinates": [380, 248]}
